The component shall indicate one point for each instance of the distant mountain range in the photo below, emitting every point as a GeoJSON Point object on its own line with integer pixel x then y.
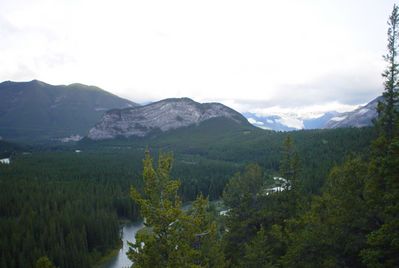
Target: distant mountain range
{"type": "Point", "coordinates": [289, 123]}
{"type": "Point", "coordinates": [36, 111]}
{"type": "Point", "coordinates": [360, 117]}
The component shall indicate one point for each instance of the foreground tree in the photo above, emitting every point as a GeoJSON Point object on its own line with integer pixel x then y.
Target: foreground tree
{"type": "Point", "coordinates": [388, 114]}
{"type": "Point", "coordinates": [290, 171]}
{"type": "Point", "coordinates": [242, 195]}
{"type": "Point", "coordinates": [258, 216]}
{"type": "Point", "coordinates": [333, 231]}
{"type": "Point", "coordinates": [289, 166]}
{"type": "Point", "coordinates": [172, 238]}
{"type": "Point", "coordinates": [383, 187]}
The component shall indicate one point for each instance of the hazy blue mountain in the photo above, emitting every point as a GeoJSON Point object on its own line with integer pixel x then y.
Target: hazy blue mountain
{"type": "Point", "coordinates": [38, 111]}
{"type": "Point", "coordinates": [272, 122]}
{"type": "Point", "coordinates": [280, 123]}
{"type": "Point", "coordinates": [319, 122]}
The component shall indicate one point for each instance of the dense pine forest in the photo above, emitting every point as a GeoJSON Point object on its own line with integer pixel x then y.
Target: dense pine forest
{"type": "Point", "coordinates": [256, 198]}
{"type": "Point", "coordinates": [68, 205]}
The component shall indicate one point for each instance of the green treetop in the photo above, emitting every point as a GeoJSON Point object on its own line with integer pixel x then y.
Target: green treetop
{"type": "Point", "coordinates": [173, 238]}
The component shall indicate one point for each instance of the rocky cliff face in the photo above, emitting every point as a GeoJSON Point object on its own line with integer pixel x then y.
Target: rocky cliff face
{"type": "Point", "coordinates": [361, 117]}
{"type": "Point", "coordinates": [159, 116]}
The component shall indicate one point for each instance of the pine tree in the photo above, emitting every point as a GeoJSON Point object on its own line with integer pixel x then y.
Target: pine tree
{"type": "Point", "coordinates": [333, 231]}
{"type": "Point", "coordinates": [290, 171]}
{"type": "Point", "coordinates": [289, 166]}
{"type": "Point", "coordinates": [387, 109]}
{"type": "Point", "coordinates": [241, 195]}
{"type": "Point", "coordinates": [382, 190]}
{"type": "Point", "coordinates": [173, 238]}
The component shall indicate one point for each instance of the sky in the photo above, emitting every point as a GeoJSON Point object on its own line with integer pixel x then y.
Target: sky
{"type": "Point", "coordinates": [300, 57]}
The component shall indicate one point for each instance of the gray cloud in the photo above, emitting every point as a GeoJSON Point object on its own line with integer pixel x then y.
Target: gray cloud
{"type": "Point", "coordinates": [6, 28]}
{"type": "Point", "coordinates": [349, 89]}
{"type": "Point", "coordinates": [346, 89]}
{"type": "Point", "coordinates": [247, 64]}
{"type": "Point", "coordinates": [21, 73]}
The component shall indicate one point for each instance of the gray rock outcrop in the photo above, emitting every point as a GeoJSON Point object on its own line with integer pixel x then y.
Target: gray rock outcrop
{"type": "Point", "coordinates": [162, 116]}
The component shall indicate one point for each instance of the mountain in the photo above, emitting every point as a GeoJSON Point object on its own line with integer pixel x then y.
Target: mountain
{"type": "Point", "coordinates": [272, 122]}
{"type": "Point", "coordinates": [161, 116]}
{"type": "Point", "coordinates": [319, 122]}
{"type": "Point", "coordinates": [289, 123]}
{"type": "Point", "coordinates": [36, 111]}
{"type": "Point", "coordinates": [361, 117]}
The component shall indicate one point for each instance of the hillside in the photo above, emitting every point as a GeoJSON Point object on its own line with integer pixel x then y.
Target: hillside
{"type": "Point", "coordinates": [32, 111]}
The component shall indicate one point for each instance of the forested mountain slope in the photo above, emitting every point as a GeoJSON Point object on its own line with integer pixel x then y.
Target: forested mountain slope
{"type": "Point", "coordinates": [32, 111]}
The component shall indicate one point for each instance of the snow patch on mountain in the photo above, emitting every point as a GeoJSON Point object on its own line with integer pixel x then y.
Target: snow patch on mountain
{"type": "Point", "coordinates": [338, 118]}
{"type": "Point", "coordinates": [291, 122]}
{"type": "Point", "coordinates": [360, 117]}
{"type": "Point", "coordinates": [254, 122]}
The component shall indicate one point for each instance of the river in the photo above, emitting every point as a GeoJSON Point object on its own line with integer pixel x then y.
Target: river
{"type": "Point", "coordinates": [128, 234]}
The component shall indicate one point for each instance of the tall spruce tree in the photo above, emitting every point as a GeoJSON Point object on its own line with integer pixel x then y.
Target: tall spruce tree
{"type": "Point", "coordinates": [383, 185]}
{"type": "Point", "coordinates": [388, 114]}
{"type": "Point", "coordinates": [290, 170]}
{"type": "Point", "coordinates": [289, 166]}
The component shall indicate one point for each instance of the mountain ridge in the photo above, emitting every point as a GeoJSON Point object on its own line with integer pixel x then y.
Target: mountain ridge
{"type": "Point", "coordinates": [35, 110]}
{"type": "Point", "coordinates": [360, 117]}
{"type": "Point", "coordinates": [163, 115]}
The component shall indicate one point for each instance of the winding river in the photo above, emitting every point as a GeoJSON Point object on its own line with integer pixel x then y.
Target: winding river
{"type": "Point", "coordinates": [128, 234]}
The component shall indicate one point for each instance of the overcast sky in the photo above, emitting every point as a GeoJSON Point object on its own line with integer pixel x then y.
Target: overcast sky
{"type": "Point", "coordinates": [299, 56]}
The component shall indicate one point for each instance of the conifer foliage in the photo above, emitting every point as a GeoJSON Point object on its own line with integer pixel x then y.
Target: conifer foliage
{"type": "Point", "coordinates": [172, 237]}
{"type": "Point", "coordinates": [383, 185]}
{"type": "Point", "coordinates": [388, 113]}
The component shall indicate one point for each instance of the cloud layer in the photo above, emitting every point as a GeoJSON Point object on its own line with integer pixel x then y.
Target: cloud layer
{"type": "Point", "coordinates": [293, 56]}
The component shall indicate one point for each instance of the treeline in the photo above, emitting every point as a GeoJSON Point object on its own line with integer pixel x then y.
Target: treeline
{"type": "Point", "coordinates": [81, 197]}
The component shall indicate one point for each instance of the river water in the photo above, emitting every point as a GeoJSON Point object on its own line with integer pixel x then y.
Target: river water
{"type": "Point", "coordinates": [128, 234]}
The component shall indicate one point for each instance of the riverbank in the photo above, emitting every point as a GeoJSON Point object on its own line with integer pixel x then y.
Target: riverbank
{"type": "Point", "coordinates": [129, 231]}
{"type": "Point", "coordinates": [103, 260]}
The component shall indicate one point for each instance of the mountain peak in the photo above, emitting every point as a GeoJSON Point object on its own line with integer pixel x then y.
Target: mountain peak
{"type": "Point", "coordinates": [37, 83]}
